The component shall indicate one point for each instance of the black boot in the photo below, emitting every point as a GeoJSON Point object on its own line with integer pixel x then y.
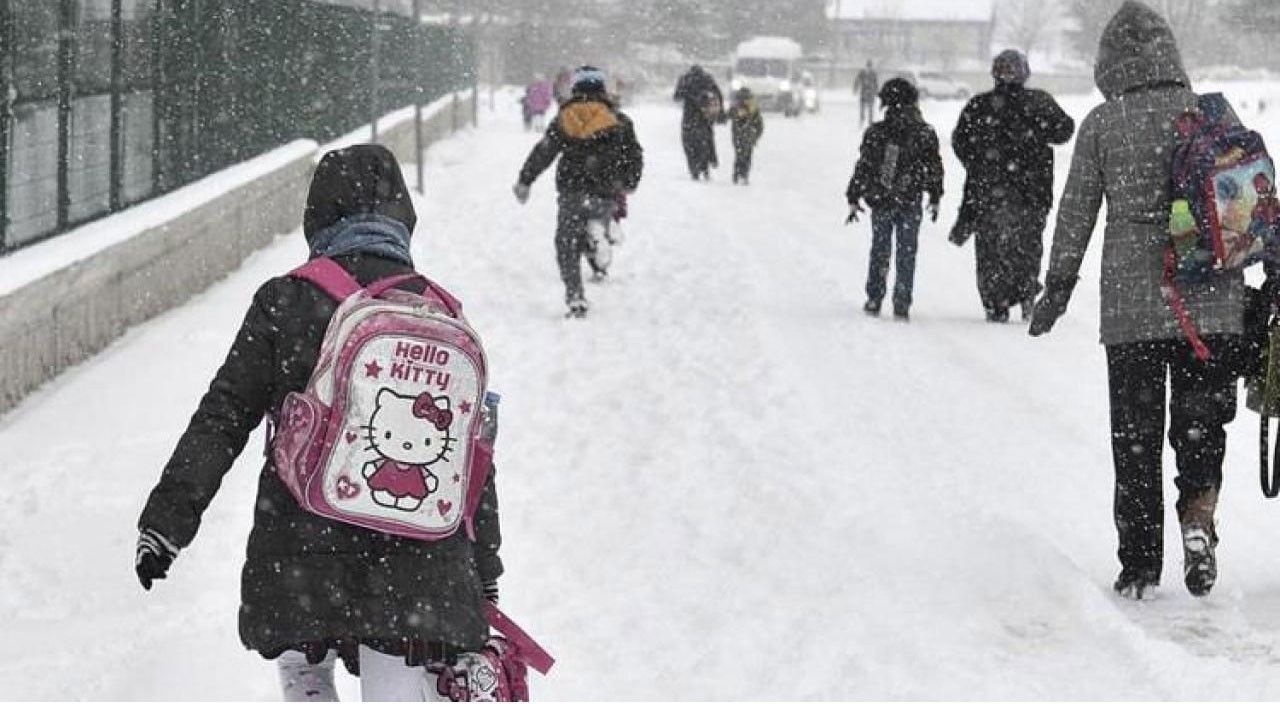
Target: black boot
{"type": "Point", "coordinates": [872, 307]}
{"type": "Point", "coordinates": [1137, 585]}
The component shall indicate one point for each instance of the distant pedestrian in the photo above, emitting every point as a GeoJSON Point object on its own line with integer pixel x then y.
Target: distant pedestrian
{"type": "Point", "coordinates": [703, 108]}
{"type": "Point", "coordinates": [865, 86]}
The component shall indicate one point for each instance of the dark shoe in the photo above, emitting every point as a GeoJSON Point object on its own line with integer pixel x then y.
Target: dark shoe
{"type": "Point", "coordinates": [577, 308]}
{"type": "Point", "coordinates": [998, 315]}
{"type": "Point", "coordinates": [872, 307]}
{"type": "Point", "coordinates": [1199, 566]}
{"type": "Point", "coordinates": [1136, 585]}
{"type": "Point", "coordinates": [901, 313]}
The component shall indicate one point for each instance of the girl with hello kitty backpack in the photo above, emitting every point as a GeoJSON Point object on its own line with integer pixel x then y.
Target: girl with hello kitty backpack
{"type": "Point", "coordinates": [376, 534]}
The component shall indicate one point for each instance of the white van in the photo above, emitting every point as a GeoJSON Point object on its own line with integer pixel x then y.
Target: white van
{"type": "Point", "coordinates": [770, 68]}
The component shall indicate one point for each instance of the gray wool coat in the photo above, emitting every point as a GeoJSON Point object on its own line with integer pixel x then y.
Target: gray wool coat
{"type": "Point", "coordinates": [1123, 153]}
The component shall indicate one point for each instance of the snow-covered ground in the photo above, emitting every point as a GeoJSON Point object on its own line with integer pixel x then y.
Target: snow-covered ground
{"type": "Point", "coordinates": [726, 484]}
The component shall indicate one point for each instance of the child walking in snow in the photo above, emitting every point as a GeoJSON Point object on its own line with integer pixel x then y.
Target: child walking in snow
{"type": "Point", "coordinates": [313, 589]}
{"type": "Point", "coordinates": [600, 158]}
{"type": "Point", "coordinates": [747, 126]}
{"type": "Point", "coordinates": [898, 163]}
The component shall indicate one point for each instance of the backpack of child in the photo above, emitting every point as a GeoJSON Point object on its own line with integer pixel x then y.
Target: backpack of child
{"type": "Point", "coordinates": [499, 672]}
{"type": "Point", "coordinates": [1224, 212]}
{"type": "Point", "coordinates": [387, 434]}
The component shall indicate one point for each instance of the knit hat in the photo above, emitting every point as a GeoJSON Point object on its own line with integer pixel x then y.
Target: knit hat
{"type": "Point", "coordinates": [1011, 68]}
{"type": "Point", "coordinates": [589, 80]}
{"type": "Point", "coordinates": [898, 91]}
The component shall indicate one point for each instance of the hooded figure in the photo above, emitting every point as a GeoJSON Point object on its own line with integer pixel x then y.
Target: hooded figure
{"type": "Point", "coordinates": [703, 106]}
{"type": "Point", "coordinates": [1123, 153]}
{"type": "Point", "coordinates": [1003, 139]}
{"type": "Point", "coordinates": [311, 585]}
{"type": "Point", "coordinates": [898, 163]}
{"type": "Point", "coordinates": [600, 159]}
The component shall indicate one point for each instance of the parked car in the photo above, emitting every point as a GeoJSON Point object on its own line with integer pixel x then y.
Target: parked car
{"type": "Point", "coordinates": [935, 85]}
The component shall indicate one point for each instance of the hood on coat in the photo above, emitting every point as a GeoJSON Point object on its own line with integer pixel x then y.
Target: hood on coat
{"type": "Point", "coordinates": [1137, 50]}
{"type": "Point", "coordinates": [585, 119]}
{"type": "Point", "coordinates": [357, 180]}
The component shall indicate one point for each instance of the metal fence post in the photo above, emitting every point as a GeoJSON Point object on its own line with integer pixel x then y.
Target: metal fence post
{"type": "Point", "coordinates": [66, 73]}
{"type": "Point", "coordinates": [417, 104]}
{"type": "Point", "coordinates": [116, 176]}
{"type": "Point", "coordinates": [7, 91]}
{"type": "Point", "coordinates": [373, 69]}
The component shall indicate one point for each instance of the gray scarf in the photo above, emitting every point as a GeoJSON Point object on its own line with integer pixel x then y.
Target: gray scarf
{"type": "Point", "coordinates": [366, 233]}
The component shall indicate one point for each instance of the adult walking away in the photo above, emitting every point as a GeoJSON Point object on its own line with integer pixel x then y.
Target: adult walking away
{"type": "Point", "coordinates": [703, 108]}
{"type": "Point", "coordinates": [898, 163]}
{"type": "Point", "coordinates": [1124, 153]}
{"type": "Point", "coordinates": [865, 85]}
{"type": "Point", "coordinates": [600, 159]}
{"type": "Point", "coordinates": [1004, 140]}
{"type": "Point", "coordinates": [314, 589]}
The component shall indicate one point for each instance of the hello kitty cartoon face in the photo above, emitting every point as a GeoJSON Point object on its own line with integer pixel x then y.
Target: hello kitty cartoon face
{"type": "Point", "coordinates": [410, 430]}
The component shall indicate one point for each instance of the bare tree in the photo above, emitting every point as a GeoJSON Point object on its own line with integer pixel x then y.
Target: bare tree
{"type": "Point", "coordinates": [1025, 24]}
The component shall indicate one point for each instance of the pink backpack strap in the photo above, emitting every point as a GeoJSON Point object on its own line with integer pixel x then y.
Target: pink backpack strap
{"type": "Point", "coordinates": [329, 276]}
{"type": "Point", "coordinates": [533, 653]}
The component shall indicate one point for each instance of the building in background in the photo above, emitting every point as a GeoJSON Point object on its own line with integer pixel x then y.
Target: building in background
{"type": "Point", "coordinates": [939, 34]}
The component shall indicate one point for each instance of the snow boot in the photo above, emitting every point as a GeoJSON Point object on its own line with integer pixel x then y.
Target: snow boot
{"type": "Point", "coordinates": [901, 314]}
{"type": "Point", "coordinates": [997, 315]}
{"type": "Point", "coordinates": [577, 308]}
{"type": "Point", "coordinates": [1199, 563]}
{"type": "Point", "coordinates": [872, 308]}
{"type": "Point", "coordinates": [1137, 585]}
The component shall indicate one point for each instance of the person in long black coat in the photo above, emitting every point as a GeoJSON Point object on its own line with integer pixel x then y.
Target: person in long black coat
{"type": "Point", "coordinates": [311, 585]}
{"type": "Point", "coordinates": [703, 108]}
{"type": "Point", "coordinates": [1004, 140]}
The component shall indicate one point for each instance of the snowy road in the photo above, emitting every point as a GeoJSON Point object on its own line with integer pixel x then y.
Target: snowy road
{"type": "Point", "coordinates": [726, 484]}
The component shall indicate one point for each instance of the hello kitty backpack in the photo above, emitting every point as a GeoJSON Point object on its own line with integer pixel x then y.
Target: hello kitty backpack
{"type": "Point", "coordinates": [386, 435]}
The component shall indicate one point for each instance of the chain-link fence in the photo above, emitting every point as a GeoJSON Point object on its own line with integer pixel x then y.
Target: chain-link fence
{"type": "Point", "coordinates": [105, 103]}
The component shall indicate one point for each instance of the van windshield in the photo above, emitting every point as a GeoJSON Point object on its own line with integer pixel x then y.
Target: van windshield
{"type": "Point", "coordinates": [762, 67]}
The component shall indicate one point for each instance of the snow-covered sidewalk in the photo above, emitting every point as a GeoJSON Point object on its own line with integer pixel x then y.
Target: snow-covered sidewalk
{"type": "Point", "coordinates": [727, 483]}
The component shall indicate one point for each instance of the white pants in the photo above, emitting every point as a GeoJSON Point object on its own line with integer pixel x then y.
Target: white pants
{"type": "Point", "coordinates": [383, 678]}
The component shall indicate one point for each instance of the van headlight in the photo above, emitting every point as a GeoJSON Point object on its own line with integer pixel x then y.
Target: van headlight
{"type": "Point", "coordinates": [785, 86]}
{"type": "Point", "coordinates": [736, 84]}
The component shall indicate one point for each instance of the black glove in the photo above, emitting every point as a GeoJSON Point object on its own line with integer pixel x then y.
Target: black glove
{"type": "Point", "coordinates": [1051, 305]}
{"type": "Point", "coordinates": [155, 554]}
{"type": "Point", "coordinates": [855, 207]}
{"type": "Point", "coordinates": [490, 591]}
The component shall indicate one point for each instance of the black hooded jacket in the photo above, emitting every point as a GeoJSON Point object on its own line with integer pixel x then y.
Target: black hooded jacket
{"type": "Point", "coordinates": [918, 168]}
{"type": "Point", "coordinates": [1003, 139]}
{"type": "Point", "coordinates": [597, 146]}
{"type": "Point", "coordinates": [310, 583]}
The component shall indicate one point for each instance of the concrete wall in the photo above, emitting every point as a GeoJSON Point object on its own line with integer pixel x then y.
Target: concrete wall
{"type": "Point", "coordinates": [74, 311]}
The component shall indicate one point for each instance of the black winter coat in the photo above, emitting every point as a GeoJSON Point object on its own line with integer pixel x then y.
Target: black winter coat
{"type": "Point", "coordinates": [702, 99]}
{"type": "Point", "coordinates": [308, 580]}
{"type": "Point", "coordinates": [1003, 140]}
{"type": "Point", "coordinates": [600, 153]}
{"type": "Point", "coordinates": [747, 124]}
{"type": "Point", "coordinates": [918, 167]}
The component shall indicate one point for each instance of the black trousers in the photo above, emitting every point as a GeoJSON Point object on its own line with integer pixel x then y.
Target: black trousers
{"type": "Point", "coordinates": [1009, 247]}
{"type": "Point", "coordinates": [573, 240]}
{"type": "Point", "coordinates": [1202, 400]}
{"type": "Point", "coordinates": [699, 139]}
{"type": "Point", "coordinates": [742, 160]}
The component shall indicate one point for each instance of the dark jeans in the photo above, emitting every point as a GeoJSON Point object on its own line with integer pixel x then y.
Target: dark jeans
{"type": "Point", "coordinates": [1202, 401]}
{"type": "Point", "coordinates": [884, 221]}
{"type": "Point", "coordinates": [699, 139]}
{"type": "Point", "coordinates": [573, 240]}
{"type": "Point", "coordinates": [1009, 247]}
